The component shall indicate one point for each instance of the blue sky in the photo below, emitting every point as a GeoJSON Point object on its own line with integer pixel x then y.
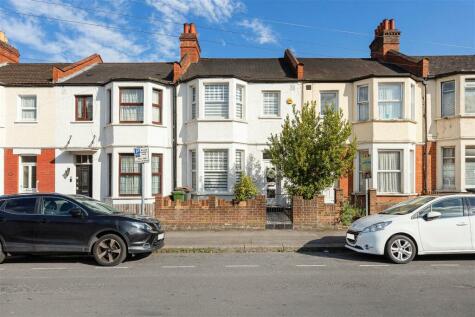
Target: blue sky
{"type": "Point", "coordinates": [148, 30]}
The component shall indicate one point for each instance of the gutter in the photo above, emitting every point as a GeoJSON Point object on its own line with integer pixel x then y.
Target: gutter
{"type": "Point", "coordinates": [425, 162]}
{"type": "Point", "coordinates": [174, 137]}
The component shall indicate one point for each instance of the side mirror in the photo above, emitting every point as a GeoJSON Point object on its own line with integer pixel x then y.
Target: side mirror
{"type": "Point", "coordinates": [433, 215]}
{"type": "Point", "coordinates": [76, 213]}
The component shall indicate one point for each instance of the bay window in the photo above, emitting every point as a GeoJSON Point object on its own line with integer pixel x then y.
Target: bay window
{"type": "Point", "coordinates": [389, 171]}
{"type": "Point", "coordinates": [271, 101]}
{"type": "Point", "coordinates": [130, 176]}
{"type": "Point", "coordinates": [194, 112]}
{"type": "Point", "coordinates": [28, 108]}
{"type": "Point", "coordinates": [470, 96]}
{"type": "Point", "coordinates": [239, 165]}
{"type": "Point", "coordinates": [239, 102]}
{"type": "Point", "coordinates": [413, 102]}
{"type": "Point", "coordinates": [448, 167]}
{"type": "Point", "coordinates": [216, 170]}
{"type": "Point", "coordinates": [470, 167]}
{"type": "Point", "coordinates": [390, 101]}
{"type": "Point", "coordinates": [217, 101]}
{"type": "Point", "coordinates": [362, 103]}
{"type": "Point", "coordinates": [157, 106]}
{"type": "Point", "coordinates": [193, 170]}
{"type": "Point", "coordinates": [328, 99]}
{"type": "Point", "coordinates": [157, 164]}
{"type": "Point", "coordinates": [448, 98]}
{"type": "Point", "coordinates": [84, 108]}
{"type": "Point", "coordinates": [131, 104]}
{"type": "Point", "coordinates": [363, 158]}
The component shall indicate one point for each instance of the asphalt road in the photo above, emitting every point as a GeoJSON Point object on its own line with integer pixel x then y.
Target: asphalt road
{"type": "Point", "coordinates": [251, 284]}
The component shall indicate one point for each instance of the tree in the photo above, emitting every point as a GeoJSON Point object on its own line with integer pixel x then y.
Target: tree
{"type": "Point", "coordinates": [245, 189]}
{"type": "Point", "coordinates": [312, 152]}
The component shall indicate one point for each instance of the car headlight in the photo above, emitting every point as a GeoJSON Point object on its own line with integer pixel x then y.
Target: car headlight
{"type": "Point", "coordinates": [377, 226]}
{"type": "Point", "coordinates": [143, 226]}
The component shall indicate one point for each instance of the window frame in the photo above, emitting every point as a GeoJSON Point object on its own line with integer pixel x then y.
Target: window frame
{"type": "Point", "coordinates": [227, 102]}
{"type": "Point", "coordinates": [131, 104]}
{"type": "Point", "coordinates": [443, 158]}
{"type": "Point", "coordinates": [463, 204]}
{"type": "Point", "coordinates": [240, 103]}
{"type": "Point", "coordinates": [442, 114]}
{"type": "Point", "coordinates": [121, 155]}
{"type": "Point", "coordinates": [158, 106]}
{"type": "Point", "coordinates": [361, 180]}
{"type": "Point", "coordinates": [21, 108]}
{"type": "Point", "coordinates": [3, 205]}
{"type": "Point", "coordinates": [279, 105]}
{"type": "Point", "coordinates": [400, 171]}
{"type": "Point", "coordinates": [159, 174]}
{"type": "Point", "coordinates": [470, 84]}
{"type": "Point", "coordinates": [194, 102]}
{"type": "Point", "coordinates": [401, 101]}
{"type": "Point", "coordinates": [465, 161]}
{"type": "Point", "coordinates": [42, 201]}
{"type": "Point", "coordinates": [241, 164]}
{"type": "Point", "coordinates": [226, 170]}
{"type": "Point", "coordinates": [194, 170]}
{"type": "Point", "coordinates": [413, 102]}
{"type": "Point", "coordinates": [360, 102]}
{"type": "Point", "coordinates": [109, 104]}
{"type": "Point", "coordinates": [327, 92]}
{"type": "Point", "coordinates": [84, 108]}
{"type": "Point", "coordinates": [21, 179]}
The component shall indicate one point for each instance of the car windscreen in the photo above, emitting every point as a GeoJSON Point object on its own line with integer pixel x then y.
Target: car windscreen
{"type": "Point", "coordinates": [407, 206]}
{"type": "Point", "coordinates": [97, 206]}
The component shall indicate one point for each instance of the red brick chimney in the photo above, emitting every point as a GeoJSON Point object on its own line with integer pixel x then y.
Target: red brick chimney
{"type": "Point", "coordinates": [189, 43]}
{"type": "Point", "coordinates": [8, 54]}
{"type": "Point", "coordinates": [386, 37]}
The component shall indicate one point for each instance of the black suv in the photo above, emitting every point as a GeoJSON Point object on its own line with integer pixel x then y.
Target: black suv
{"type": "Point", "coordinates": [59, 224]}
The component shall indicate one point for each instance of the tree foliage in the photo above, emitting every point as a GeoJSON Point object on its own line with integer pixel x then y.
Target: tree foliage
{"type": "Point", "coordinates": [312, 151]}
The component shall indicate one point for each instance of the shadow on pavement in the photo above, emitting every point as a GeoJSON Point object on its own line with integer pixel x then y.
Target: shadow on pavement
{"type": "Point", "coordinates": [48, 259]}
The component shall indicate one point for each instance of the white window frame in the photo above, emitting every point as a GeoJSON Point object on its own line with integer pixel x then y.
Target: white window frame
{"type": "Point", "coordinates": [470, 85]}
{"type": "Point", "coordinates": [413, 102]}
{"type": "Point", "coordinates": [240, 104]}
{"type": "Point", "coordinates": [194, 103]}
{"type": "Point", "coordinates": [400, 170]}
{"type": "Point", "coordinates": [29, 165]}
{"type": "Point", "coordinates": [20, 108]}
{"type": "Point", "coordinates": [361, 180]}
{"type": "Point", "coordinates": [400, 101]}
{"type": "Point", "coordinates": [271, 115]}
{"type": "Point", "coordinates": [239, 164]}
{"type": "Point", "coordinates": [194, 170]}
{"type": "Point", "coordinates": [360, 102]}
{"type": "Point", "coordinates": [328, 92]}
{"type": "Point", "coordinates": [224, 102]}
{"type": "Point", "coordinates": [224, 172]}
{"type": "Point", "coordinates": [450, 186]}
{"type": "Point", "coordinates": [471, 147]}
{"type": "Point", "coordinates": [444, 113]}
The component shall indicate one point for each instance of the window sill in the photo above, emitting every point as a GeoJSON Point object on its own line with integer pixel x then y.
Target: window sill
{"type": "Point", "coordinates": [25, 122]}
{"type": "Point", "coordinates": [216, 120]}
{"type": "Point", "coordinates": [385, 121]}
{"type": "Point", "coordinates": [82, 122]}
{"type": "Point", "coordinates": [270, 117]}
{"type": "Point", "coordinates": [134, 125]}
{"type": "Point", "coordinates": [395, 194]}
{"type": "Point", "coordinates": [467, 115]}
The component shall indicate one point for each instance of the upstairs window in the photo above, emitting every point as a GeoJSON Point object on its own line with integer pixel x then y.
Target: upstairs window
{"type": "Point", "coordinates": [448, 98]}
{"type": "Point", "coordinates": [216, 170]}
{"type": "Point", "coordinates": [157, 106]}
{"type": "Point", "coordinates": [239, 102]}
{"type": "Point", "coordinates": [217, 101]}
{"type": "Point", "coordinates": [109, 104]}
{"type": "Point", "coordinates": [28, 108]}
{"type": "Point", "coordinates": [131, 105]}
{"type": "Point", "coordinates": [271, 103]}
{"type": "Point", "coordinates": [194, 109]}
{"type": "Point", "coordinates": [390, 101]}
{"type": "Point", "coordinates": [328, 99]}
{"type": "Point", "coordinates": [363, 103]}
{"type": "Point", "coordinates": [470, 96]}
{"type": "Point", "coordinates": [84, 108]}
{"type": "Point", "coordinates": [413, 102]}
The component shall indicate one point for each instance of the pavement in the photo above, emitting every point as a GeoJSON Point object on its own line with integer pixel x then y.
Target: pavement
{"type": "Point", "coordinates": [239, 284]}
{"type": "Point", "coordinates": [248, 241]}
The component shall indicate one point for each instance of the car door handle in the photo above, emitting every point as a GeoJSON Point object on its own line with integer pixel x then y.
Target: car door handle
{"type": "Point", "coordinates": [461, 224]}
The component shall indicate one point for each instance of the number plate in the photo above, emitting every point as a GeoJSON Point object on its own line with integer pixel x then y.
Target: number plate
{"type": "Point", "coordinates": [350, 236]}
{"type": "Point", "coordinates": [161, 236]}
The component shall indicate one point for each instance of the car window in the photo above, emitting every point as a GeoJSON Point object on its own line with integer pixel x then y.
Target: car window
{"type": "Point", "coordinates": [21, 205]}
{"type": "Point", "coordinates": [471, 201]}
{"type": "Point", "coordinates": [449, 207]}
{"type": "Point", "coordinates": [55, 206]}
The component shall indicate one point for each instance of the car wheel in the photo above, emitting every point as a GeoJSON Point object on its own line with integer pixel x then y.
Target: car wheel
{"type": "Point", "coordinates": [401, 249]}
{"type": "Point", "coordinates": [2, 255]}
{"type": "Point", "coordinates": [109, 250]}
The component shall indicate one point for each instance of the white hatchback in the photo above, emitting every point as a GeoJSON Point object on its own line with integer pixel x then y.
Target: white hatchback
{"type": "Point", "coordinates": [423, 225]}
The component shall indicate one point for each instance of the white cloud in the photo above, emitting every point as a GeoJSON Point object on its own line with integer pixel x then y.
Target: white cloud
{"type": "Point", "coordinates": [263, 34]}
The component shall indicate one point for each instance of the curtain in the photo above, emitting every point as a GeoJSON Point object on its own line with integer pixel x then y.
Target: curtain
{"type": "Point", "coordinates": [448, 98]}
{"type": "Point", "coordinates": [448, 167]}
{"type": "Point", "coordinates": [271, 103]}
{"type": "Point", "coordinates": [390, 101]}
{"type": "Point", "coordinates": [156, 114]}
{"type": "Point", "coordinates": [216, 100]}
{"type": "Point", "coordinates": [28, 108]}
{"type": "Point", "coordinates": [389, 172]}
{"type": "Point", "coordinates": [131, 113]}
{"type": "Point", "coordinates": [328, 99]}
{"type": "Point", "coordinates": [129, 184]}
{"type": "Point", "coordinates": [131, 95]}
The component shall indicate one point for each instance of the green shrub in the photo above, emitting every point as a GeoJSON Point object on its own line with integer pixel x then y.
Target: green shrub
{"type": "Point", "coordinates": [245, 189]}
{"type": "Point", "coordinates": [350, 213]}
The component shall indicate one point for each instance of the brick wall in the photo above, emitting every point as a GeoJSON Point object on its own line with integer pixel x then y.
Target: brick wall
{"type": "Point", "coordinates": [378, 203]}
{"type": "Point", "coordinates": [211, 214]}
{"type": "Point", "coordinates": [315, 214]}
{"type": "Point", "coordinates": [11, 162]}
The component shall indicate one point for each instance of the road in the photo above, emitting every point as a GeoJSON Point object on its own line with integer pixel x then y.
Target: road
{"type": "Point", "coordinates": [238, 284]}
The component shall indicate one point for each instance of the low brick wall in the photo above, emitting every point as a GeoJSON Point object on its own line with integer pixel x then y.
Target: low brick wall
{"type": "Point", "coordinates": [211, 214]}
{"type": "Point", "coordinates": [315, 214]}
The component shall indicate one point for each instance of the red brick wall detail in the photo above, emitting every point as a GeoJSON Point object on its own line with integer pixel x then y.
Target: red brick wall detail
{"type": "Point", "coordinates": [45, 170]}
{"type": "Point", "coordinates": [419, 168]}
{"type": "Point", "coordinates": [11, 162]}
{"type": "Point", "coordinates": [211, 214]}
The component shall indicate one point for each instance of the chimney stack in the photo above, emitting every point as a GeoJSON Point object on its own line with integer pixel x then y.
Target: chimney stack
{"type": "Point", "coordinates": [8, 54]}
{"type": "Point", "coordinates": [386, 38]}
{"type": "Point", "coordinates": [189, 43]}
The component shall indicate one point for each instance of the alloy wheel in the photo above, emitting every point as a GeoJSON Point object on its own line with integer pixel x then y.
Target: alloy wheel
{"type": "Point", "coordinates": [401, 249]}
{"type": "Point", "coordinates": [109, 250]}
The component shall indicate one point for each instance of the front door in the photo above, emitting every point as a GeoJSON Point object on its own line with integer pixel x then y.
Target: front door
{"type": "Point", "coordinates": [449, 232]}
{"type": "Point", "coordinates": [84, 180]}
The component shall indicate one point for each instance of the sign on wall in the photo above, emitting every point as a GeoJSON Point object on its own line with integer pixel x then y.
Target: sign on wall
{"type": "Point", "coordinates": [141, 154]}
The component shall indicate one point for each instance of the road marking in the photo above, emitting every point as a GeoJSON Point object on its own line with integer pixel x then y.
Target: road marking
{"type": "Point", "coordinates": [49, 268]}
{"type": "Point", "coordinates": [446, 265]}
{"type": "Point", "coordinates": [373, 265]}
{"type": "Point", "coordinates": [2, 269]}
{"type": "Point", "coordinates": [178, 266]}
{"type": "Point", "coordinates": [310, 265]}
{"type": "Point", "coordinates": [241, 265]}
{"type": "Point", "coordinates": [112, 267]}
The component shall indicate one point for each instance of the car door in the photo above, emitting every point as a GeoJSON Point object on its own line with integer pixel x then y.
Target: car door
{"type": "Point", "coordinates": [18, 218]}
{"type": "Point", "coordinates": [450, 231]}
{"type": "Point", "coordinates": [471, 217]}
{"type": "Point", "coordinates": [59, 231]}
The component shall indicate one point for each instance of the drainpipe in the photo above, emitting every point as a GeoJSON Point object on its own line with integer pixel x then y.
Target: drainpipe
{"type": "Point", "coordinates": [174, 137]}
{"type": "Point", "coordinates": [425, 159]}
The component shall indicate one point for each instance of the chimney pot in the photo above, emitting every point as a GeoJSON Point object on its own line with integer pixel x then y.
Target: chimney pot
{"type": "Point", "coordinates": [392, 24]}
{"type": "Point", "coordinates": [192, 28]}
{"type": "Point", "coordinates": [186, 28]}
{"type": "Point", "coordinates": [386, 24]}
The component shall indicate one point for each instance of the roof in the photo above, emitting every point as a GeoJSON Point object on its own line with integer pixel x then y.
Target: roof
{"type": "Point", "coordinates": [449, 64]}
{"type": "Point", "coordinates": [24, 74]}
{"type": "Point", "coordinates": [248, 69]}
{"type": "Point", "coordinates": [106, 72]}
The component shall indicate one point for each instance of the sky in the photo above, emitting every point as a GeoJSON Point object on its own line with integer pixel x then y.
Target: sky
{"type": "Point", "coordinates": [148, 30]}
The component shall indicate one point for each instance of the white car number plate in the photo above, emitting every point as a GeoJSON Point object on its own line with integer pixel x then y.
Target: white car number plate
{"type": "Point", "coordinates": [161, 236]}
{"type": "Point", "coordinates": [350, 236]}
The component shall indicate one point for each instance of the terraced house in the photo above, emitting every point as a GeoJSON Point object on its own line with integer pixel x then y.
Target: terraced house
{"type": "Point", "coordinates": [71, 127]}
